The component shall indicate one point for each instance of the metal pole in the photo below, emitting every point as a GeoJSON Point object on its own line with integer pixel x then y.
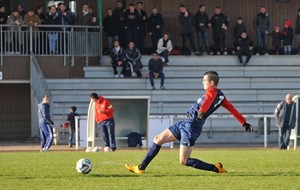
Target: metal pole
{"type": "Point", "coordinates": [171, 123]}
{"type": "Point", "coordinates": [265, 131]}
{"type": "Point", "coordinates": [1, 40]}
{"type": "Point", "coordinates": [99, 9]}
{"type": "Point", "coordinates": [76, 131]}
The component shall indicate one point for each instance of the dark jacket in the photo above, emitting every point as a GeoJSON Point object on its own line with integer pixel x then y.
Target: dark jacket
{"type": "Point", "coordinates": [155, 20]}
{"type": "Point", "coordinates": [84, 19]}
{"type": "Point", "coordinates": [276, 38]}
{"type": "Point", "coordinates": [155, 66]}
{"type": "Point", "coordinates": [287, 36]}
{"type": "Point", "coordinates": [119, 13]}
{"type": "Point", "coordinates": [261, 22]}
{"type": "Point", "coordinates": [69, 18]}
{"type": "Point", "coordinates": [297, 28]}
{"type": "Point", "coordinates": [238, 29]}
{"type": "Point", "coordinates": [44, 113]}
{"type": "Point", "coordinates": [280, 115]}
{"type": "Point", "coordinates": [201, 18]}
{"type": "Point", "coordinates": [71, 119]}
{"type": "Point", "coordinates": [186, 23]}
{"type": "Point", "coordinates": [117, 55]}
{"type": "Point", "coordinates": [132, 20]}
{"type": "Point", "coordinates": [133, 55]}
{"type": "Point", "coordinates": [217, 20]}
{"type": "Point", "coordinates": [110, 25]}
{"type": "Point", "coordinates": [142, 14]}
{"type": "Point", "coordinates": [244, 43]}
{"type": "Point", "coordinates": [3, 18]}
{"type": "Point", "coordinates": [53, 19]}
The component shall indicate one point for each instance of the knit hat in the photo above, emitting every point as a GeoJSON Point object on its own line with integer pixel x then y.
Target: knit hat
{"type": "Point", "coordinates": [288, 23]}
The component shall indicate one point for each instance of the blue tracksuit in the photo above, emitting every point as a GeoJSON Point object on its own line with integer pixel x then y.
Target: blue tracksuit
{"type": "Point", "coordinates": [45, 122]}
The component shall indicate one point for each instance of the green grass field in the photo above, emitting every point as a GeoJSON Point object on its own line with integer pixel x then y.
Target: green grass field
{"type": "Point", "coordinates": [247, 169]}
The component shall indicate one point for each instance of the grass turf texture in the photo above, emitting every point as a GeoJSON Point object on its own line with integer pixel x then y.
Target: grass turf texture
{"type": "Point", "coordinates": [247, 169]}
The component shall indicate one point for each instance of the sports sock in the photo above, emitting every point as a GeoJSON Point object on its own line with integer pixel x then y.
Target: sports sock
{"type": "Point", "coordinates": [152, 152]}
{"type": "Point", "coordinates": [198, 164]}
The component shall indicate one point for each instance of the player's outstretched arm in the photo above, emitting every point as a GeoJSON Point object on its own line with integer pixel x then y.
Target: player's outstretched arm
{"type": "Point", "coordinates": [248, 127]}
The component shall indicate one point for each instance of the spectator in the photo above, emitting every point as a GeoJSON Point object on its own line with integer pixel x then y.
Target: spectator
{"type": "Point", "coordinates": [276, 39]}
{"type": "Point", "coordinates": [110, 27]}
{"type": "Point", "coordinates": [104, 116]}
{"type": "Point", "coordinates": [67, 17]}
{"type": "Point", "coordinates": [186, 21]}
{"type": "Point", "coordinates": [238, 28]}
{"type": "Point", "coordinates": [155, 24]}
{"type": "Point", "coordinates": [53, 18]}
{"type": "Point", "coordinates": [45, 124]}
{"type": "Point", "coordinates": [133, 59]}
{"type": "Point", "coordinates": [117, 59]}
{"type": "Point", "coordinates": [142, 30]}
{"type": "Point", "coordinates": [32, 20]}
{"type": "Point", "coordinates": [298, 31]}
{"type": "Point", "coordinates": [155, 66]}
{"type": "Point", "coordinates": [119, 13]}
{"type": "Point", "coordinates": [84, 18]}
{"type": "Point", "coordinates": [21, 11]}
{"type": "Point", "coordinates": [164, 47]}
{"type": "Point", "coordinates": [261, 25]}
{"type": "Point", "coordinates": [40, 12]}
{"type": "Point", "coordinates": [132, 24]}
{"type": "Point", "coordinates": [71, 120]}
{"type": "Point", "coordinates": [201, 23]}
{"type": "Point", "coordinates": [285, 117]}
{"type": "Point", "coordinates": [15, 36]}
{"type": "Point", "coordinates": [244, 46]}
{"type": "Point", "coordinates": [219, 23]}
{"type": "Point", "coordinates": [3, 16]}
{"type": "Point", "coordinates": [287, 37]}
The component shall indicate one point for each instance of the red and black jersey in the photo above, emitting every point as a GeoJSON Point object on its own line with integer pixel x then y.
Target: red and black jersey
{"type": "Point", "coordinates": [210, 102]}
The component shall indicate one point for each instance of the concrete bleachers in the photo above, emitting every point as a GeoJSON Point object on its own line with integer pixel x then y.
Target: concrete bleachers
{"type": "Point", "coordinates": [253, 89]}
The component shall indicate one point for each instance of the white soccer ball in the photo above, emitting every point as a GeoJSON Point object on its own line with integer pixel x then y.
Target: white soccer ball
{"type": "Point", "coordinates": [97, 149]}
{"type": "Point", "coordinates": [89, 149]}
{"type": "Point", "coordinates": [107, 149]}
{"type": "Point", "coordinates": [84, 166]}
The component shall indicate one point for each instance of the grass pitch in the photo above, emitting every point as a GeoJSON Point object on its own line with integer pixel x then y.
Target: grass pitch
{"type": "Point", "coordinates": [247, 169]}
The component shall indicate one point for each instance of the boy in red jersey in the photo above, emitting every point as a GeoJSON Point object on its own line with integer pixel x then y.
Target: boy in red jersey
{"type": "Point", "coordinates": [104, 116]}
{"type": "Point", "coordinates": [188, 130]}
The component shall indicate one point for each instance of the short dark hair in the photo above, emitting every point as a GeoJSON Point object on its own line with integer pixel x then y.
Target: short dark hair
{"type": "Point", "coordinates": [239, 18]}
{"type": "Point", "coordinates": [212, 76]}
{"type": "Point", "coordinates": [131, 5]}
{"type": "Point", "coordinates": [140, 2]}
{"type": "Point", "coordinates": [73, 108]}
{"type": "Point", "coordinates": [182, 5]}
{"type": "Point", "coordinates": [201, 5]}
{"type": "Point", "coordinates": [94, 95]}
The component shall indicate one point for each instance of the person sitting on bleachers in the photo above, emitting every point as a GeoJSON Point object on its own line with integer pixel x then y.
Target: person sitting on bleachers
{"type": "Point", "coordinates": [133, 59]}
{"type": "Point", "coordinates": [164, 47]}
{"type": "Point", "coordinates": [117, 59]}
{"type": "Point", "coordinates": [155, 66]}
{"type": "Point", "coordinates": [244, 46]}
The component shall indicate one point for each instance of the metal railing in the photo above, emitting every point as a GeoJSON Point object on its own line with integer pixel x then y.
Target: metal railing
{"type": "Point", "coordinates": [54, 40]}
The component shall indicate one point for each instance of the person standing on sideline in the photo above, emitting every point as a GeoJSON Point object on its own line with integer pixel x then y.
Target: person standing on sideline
{"type": "Point", "coordinates": [164, 47]}
{"type": "Point", "coordinates": [186, 21]}
{"type": "Point", "coordinates": [104, 116]}
{"type": "Point", "coordinates": [188, 130]}
{"type": "Point", "coordinates": [155, 66]}
{"type": "Point", "coordinates": [201, 26]}
{"type": "Point", "coordinates": [261, 24]}
{"type": "Point", "coordinates": [219, 23]}
{"type": "Point", "coordinates": [285, 117]}
{"type": "Point", "coordinates": [45, 122]}
{"type": "Point", "coordinates": [71, 120]}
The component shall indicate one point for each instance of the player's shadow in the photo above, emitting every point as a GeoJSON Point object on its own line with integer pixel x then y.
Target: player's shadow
{"type": "Point", "coordinates": [114, 175]}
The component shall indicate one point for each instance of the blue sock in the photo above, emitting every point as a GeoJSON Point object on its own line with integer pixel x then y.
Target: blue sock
{"type": "Point", "coordinates": [152, 152]}
{"type": "Point", "coordinates": [198, 164]}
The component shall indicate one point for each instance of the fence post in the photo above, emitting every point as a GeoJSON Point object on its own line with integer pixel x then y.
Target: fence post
{"type": "Point", "coordinates": [76, 131]}
{"type": "Point", "coordinates": [265, 131]}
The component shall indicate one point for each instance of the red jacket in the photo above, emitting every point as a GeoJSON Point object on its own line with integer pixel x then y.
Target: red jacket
{"type": "Point", "coordinates": [103, 110]}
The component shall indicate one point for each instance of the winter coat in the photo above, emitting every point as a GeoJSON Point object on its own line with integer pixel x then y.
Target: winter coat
{"type": "Point", "coordinates": [297, 29]}
{"type": "Point", "coordinates": [261, 22]}
{"type": "Point", "coordinates": [133, 55]}
{"type": "Point", "coordinates": [155, 66]}
{"type": "Point", "coordinates": [31, 20]}
{"type": "Point", "coordinates": [117, 55]}
{"type": "Point", "coordinates": [217, 21]}
{"type": "Point", "coordinates": [238, 29]}
{"type": "Point", "coordinates": [280, 115]}
{"type": "Point", "coordinates": [186, 23]}
{"type": "Point", "coordinates": [276, 38]}
{"type": "Point", "coordinates": [44, 113]}
{"type": "Point", "coordinates": [103, 110]}
{"type": "Point", "coordinates": [287, 36]}
{"type": "Point", "coordinates": [132, 20]}
{"type": "Point", "coordinates": [3, 18]}
{"type": "Point", "coordinates": [53, 19]}
{"type": "Point", "coordinates": [153, 21]}
{"type": "Point", "coordinates": [110, 25]}
{"type": "Point", "coordinates": [201, 18]}
{"type": "Point", "coordinates": [244, 43]}
{"type": "Point", "coordinates": [160, 47]}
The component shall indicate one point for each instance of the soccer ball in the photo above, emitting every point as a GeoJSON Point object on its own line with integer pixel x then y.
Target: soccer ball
{"type": "Point", "coordinates": [84, 166]}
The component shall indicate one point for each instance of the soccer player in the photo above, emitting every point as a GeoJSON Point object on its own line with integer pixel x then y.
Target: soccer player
{"type": "Point", "coordinates": [45, 122]}
{"type": "Point", "coordinates": [188, 130]}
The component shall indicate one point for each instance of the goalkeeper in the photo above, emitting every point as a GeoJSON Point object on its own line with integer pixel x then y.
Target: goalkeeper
{"type": "Point", "coordinates": [188, 130]}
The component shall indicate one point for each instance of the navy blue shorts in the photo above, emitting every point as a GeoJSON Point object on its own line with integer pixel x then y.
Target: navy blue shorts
{"type": "Point", "coordinates": [187, 131]}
